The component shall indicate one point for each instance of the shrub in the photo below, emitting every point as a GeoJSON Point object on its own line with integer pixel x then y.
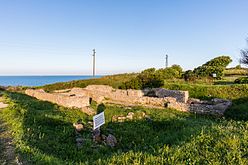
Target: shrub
{"type": "Point", "coordinates": [148, 78]}
{"type": "Point", "coordinates": [189, 75]}
{"type": "Point", "coordinates": [175, 71]}
{"type": "Point", "coordinates": [241, 80]}
{"type": "Point", "coordinates": [238, 67]}
{"type": "Point", "coordinates": [134, 83]}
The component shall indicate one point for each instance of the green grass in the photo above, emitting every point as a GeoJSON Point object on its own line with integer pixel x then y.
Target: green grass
{"type": "Point", "coordinates": [43, 134]}
{"type": "Point", "coordinates": [234, 71]}
{"type": "Point", "coordinates": [114, 81]}
{"type": "Point", "coordinates": [210, 91]}
{"type": "Point", "coordinates": [204, 88]}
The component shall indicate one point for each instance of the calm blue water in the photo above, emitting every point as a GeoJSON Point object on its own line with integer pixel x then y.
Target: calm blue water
{"type": "Point", "coordinates": [38, 80]}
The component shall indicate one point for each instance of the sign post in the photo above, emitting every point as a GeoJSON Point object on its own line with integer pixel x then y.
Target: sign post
{"type": "Point", "coordinates": [98, 120]}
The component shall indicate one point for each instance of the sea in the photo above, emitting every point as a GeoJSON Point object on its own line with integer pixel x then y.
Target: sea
{"type": "Point", "coordinates": [38, 80]}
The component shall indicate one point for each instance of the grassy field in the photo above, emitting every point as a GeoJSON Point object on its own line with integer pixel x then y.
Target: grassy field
{"type": "Point", "coordinates": [202, 89]}
{"type": "Point", "coordinates": [114, 81]}
{"type": "Point", "coordinates": [43, 134]}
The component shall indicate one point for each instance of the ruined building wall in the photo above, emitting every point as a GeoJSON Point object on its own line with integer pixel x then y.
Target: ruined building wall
{"type": "Point", "coordinates": [67, 101]}
{"type": "Point", "coordinates": [80, 98]}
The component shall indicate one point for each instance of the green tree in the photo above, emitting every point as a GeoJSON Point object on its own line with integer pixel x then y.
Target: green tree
{"type": "Point", "coordinates": [214, 66]}
{"type": "Point", "coordinates": [244, 55]}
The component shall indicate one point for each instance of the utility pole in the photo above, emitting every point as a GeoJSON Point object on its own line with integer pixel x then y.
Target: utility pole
{"type": "Point", "coordinates": [94, 62]}
{"type": "Point", "coordinates": [166, 61]}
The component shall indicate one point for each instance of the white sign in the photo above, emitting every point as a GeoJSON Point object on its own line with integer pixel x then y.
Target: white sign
{"type": "Point", "coordinates": [98, 120]}
{"type": "Point", "coordinates": [214, 75]}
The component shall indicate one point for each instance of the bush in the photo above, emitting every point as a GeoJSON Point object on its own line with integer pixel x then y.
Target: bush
{"type": "Point", "coordinates": [189, 75]}
{"type": "Point", "coordinates": [241, 80]}
{"type": "Point", "coordinates": [148, 78]}
{"type": "Point", "coordinates": [134, 83]}
{"type": "Point", "coordinates": [175, 71]}
{"type": "Point", "coordinates": [238, 67]}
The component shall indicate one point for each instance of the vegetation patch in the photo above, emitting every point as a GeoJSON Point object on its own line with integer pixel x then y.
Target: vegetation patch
{"type": "Point", "coordinates": [241, 80]}
{"type": "Point", "coordinates": [202, 91]}
{"type": "Point", "coordinates": [152, 78]}
{"type": "Point", "coordinates": [213, 68]}
{"type": "Point", "coordinates": [44, 134]}
{"type": "Point", "coordinates": [114, 81]}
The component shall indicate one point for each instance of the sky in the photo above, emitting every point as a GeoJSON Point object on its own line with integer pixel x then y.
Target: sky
{"type": "Point", "coordinates": [56, 37]}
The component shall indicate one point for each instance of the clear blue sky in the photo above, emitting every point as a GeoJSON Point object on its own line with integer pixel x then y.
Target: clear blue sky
{"type": "Point", "coordinates": [57, 36]}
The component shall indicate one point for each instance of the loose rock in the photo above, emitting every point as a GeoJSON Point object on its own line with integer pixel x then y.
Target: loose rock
{"type": "Point", "coordinates": [2, 105]}
{"type": "Point", "coordinates": [121, 118]}
{"type": "Point", "coordinates": [130, 115]}
{"type": "Point", "coordinates": [79, 141]}
{"type": "Point", "coordinates": [114, 118]}
{"type": "Point", "coordinates": [111, 140]}
{"type": "Point", "coordinates": [79, 127]}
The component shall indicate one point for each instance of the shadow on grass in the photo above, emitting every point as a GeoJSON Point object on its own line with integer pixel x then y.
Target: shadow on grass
{"type": "Point", "coordinates": [223, 82]}
{"type": "Point", "coordinates": [48, 131]}
{"type": "Point", "coordinates": [239, 110]}
{"type": "Point", "coordinates": [100, 108]}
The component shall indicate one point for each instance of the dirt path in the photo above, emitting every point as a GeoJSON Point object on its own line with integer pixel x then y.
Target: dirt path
{"type": "Point", "coordinates": [7, 154]}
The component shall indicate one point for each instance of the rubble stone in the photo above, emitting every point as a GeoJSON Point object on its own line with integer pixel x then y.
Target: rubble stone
{"type": "Point", "coordinates": [111, 140]}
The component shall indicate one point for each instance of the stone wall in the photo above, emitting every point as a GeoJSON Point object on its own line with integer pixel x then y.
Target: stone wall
{"type": "Point", "coordinates": [214, 107]}
{"type": "Point", "coordinates": [60, 99]}
{"type": "Point", "coordinates": [81, 98]}
{"type": "Point", "coordinates": [181, 96]}
{"type": "Point", "coordinates": [105, 93]}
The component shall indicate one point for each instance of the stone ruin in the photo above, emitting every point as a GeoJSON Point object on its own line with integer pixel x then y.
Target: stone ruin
{"type": "Point", "coordinates": [154, 98]}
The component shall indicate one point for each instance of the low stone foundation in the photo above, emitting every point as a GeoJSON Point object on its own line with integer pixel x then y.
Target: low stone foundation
{"type": "Point", "coordinates": [60, 99]}
{"type": "Point", "coordinates": [180, 96]}
{"type": "Point", "coordinates": [213, 107]}
{"type": "Point", "coordinates": [103, 93]}
{"type": "Point", "coordinates": [159, 97]}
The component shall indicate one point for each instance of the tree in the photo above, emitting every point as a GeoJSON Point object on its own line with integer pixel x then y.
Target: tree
{"type": "Point", "coordinates": [244, 55]}
{"type": "Point", "coordinates": [216, 65]}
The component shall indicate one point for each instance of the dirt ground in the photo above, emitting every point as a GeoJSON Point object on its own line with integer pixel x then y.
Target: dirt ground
{"type": "Point", "coordinates": [7, 154]}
